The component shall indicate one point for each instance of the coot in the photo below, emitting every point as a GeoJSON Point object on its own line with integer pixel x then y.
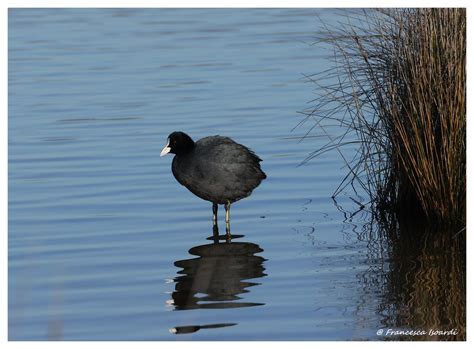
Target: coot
{"type": "Point", "coordinates": [215, 168]}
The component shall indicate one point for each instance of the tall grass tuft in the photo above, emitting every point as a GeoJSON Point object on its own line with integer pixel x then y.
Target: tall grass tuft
{"type": "Point", "coordinates": [398, 87]}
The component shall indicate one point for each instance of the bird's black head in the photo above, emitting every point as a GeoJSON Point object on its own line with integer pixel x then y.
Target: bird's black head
{"type": "Point", "coordinates": [179, 143]}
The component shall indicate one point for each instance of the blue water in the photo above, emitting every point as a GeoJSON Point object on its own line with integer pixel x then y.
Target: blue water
{"type": "Point", "coordinates": [100, 232]}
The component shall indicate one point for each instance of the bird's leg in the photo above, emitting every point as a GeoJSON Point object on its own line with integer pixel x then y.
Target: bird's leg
{"type": "Point", "coordinates": [227, 220]}
{"type": "Point", "coordinates": [215, 234]}
{"type": "Point", "coordinates": [215, 227]}
{"type": "Point", "coordinates": [214, 214]}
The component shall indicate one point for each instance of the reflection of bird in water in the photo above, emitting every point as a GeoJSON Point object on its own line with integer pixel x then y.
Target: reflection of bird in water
{"type": "Point", "coordinates": [195, 328]}
{"type": "Point", "coordinates": [217, 274]}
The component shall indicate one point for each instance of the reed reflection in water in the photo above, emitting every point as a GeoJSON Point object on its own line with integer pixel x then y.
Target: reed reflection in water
{"type": "Point", "coordinates": [216, 278]}
{"type": "Point", "coordinates": [426, 285]}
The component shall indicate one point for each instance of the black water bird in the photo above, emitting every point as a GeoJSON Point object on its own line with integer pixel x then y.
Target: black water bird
{"type": "Point", "coordinates": [215, 168]}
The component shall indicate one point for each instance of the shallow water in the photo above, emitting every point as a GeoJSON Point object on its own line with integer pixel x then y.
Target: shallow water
{"type": "Point", "coordinates": [104, 244]}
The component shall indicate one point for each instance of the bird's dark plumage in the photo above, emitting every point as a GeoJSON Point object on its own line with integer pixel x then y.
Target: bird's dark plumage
{"type": "Point", "coordinates": [215, 168]}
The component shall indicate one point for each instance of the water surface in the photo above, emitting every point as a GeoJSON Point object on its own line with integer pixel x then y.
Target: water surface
{"type": "Point", "coordinates": [104, 244]}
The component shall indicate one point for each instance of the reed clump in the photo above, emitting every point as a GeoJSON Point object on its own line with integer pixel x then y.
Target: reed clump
{"type": "Point", "coordinates": [398, 88]}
